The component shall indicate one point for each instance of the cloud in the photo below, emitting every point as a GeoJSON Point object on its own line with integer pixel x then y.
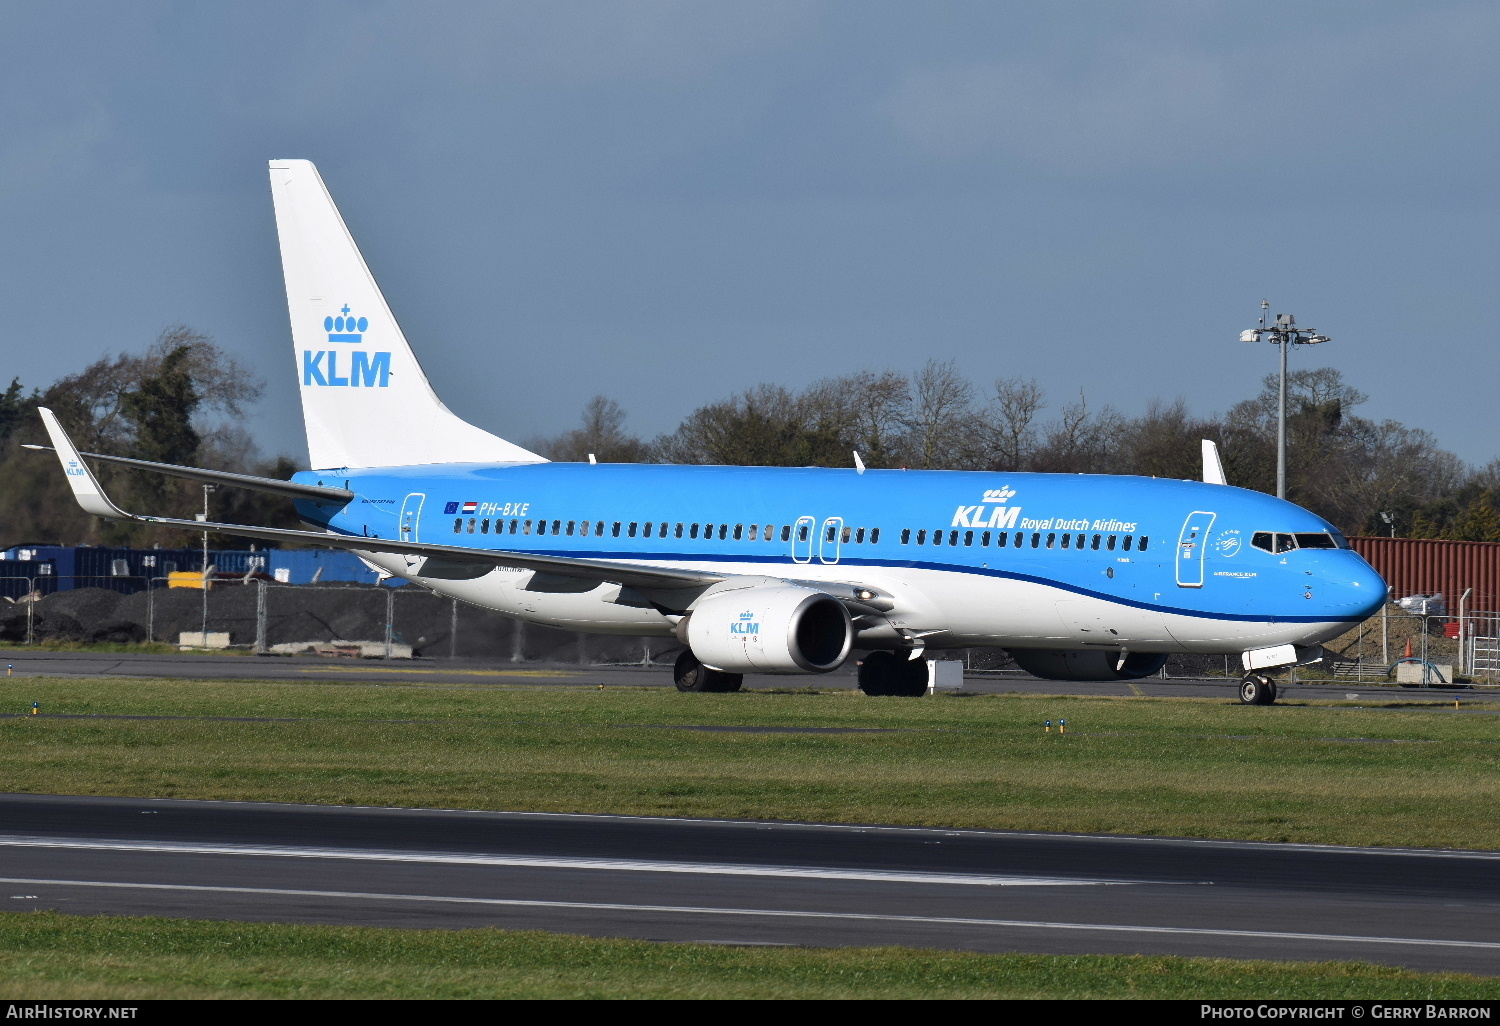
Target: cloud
{"type": "Point", "coordinates": [1169, 100]}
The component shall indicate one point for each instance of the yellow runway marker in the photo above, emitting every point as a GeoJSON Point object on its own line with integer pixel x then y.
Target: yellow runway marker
{"type": "Point", "coordinates": [1138, 692]}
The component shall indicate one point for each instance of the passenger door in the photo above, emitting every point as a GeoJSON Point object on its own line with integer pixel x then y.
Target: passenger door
{"type": "Point", "coordinates": [411, 516]}
{"type": "Point", "coordinates": [1192, 546]}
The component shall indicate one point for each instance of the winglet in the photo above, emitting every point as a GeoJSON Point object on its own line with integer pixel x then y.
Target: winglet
{"type": "Point", "coordinates": [80, 478]}
{"type": "Point", "coordinates": [1213, 470]}
{"type": "Point", "coordinates": [859, 464]}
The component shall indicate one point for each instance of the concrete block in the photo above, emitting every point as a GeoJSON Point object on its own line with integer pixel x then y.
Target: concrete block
{"type": "Point", "coordinates": [945, 675]}
{"type": "Point", "coordinates": [1411, 673]}
{"type": "Point", "coordinates": [197, 639]}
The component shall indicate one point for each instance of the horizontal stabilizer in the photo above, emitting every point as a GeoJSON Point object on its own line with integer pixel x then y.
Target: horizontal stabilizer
{"type": "Point", "coordinates": [219, 477]}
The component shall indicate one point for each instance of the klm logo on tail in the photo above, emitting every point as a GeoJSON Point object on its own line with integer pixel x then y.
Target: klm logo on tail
{"type": "Point", "coordinates": [363, 369]}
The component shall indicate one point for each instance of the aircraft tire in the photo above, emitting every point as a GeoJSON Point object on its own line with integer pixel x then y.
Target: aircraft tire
{"type": "Point", "coordinates": [691, 675]}
{"type": "Point", "coordinates": [887, 674]}
{"type": "Point", "coordinates": [1257, 689]}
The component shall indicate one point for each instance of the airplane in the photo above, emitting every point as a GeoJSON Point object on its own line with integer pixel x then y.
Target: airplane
{"type": "Point", "coordinates": [771, 570]}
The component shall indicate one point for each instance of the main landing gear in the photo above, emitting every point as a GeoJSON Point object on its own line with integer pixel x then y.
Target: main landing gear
{"type": "Point", "coordinates": [1257, 689]}
{"type": "Point", "coordinates": [691, 675]}
{"type": "Point", "coordinates": [891, 673]}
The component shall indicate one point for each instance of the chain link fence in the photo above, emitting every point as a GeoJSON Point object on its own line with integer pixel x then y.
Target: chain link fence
{"type": "Point", "coordinates": [380, 621]}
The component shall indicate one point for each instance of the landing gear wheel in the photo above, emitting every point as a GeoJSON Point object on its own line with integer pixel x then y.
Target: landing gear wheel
{"type": "Point", "coordinates": [1257, 689]}
{"type": "Point", "coordinates": [691, 675]}
{"type": "Point", "coordinates": [889, 673]}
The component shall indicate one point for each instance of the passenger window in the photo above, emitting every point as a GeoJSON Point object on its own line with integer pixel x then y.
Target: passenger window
{"type": "Point", "coordinates": [661, 530]}
{"type": "Point", "coordinates": [631, 529]}
{"type": "Point", "coordinates": [484, 526]}
{"type": "Point", "coordinates": [905, 536]}
{"type": "Point", "coordinates": [513, 525]}
{"type": "Point", "coordinates": [802, 532]}
{"type": "Point", "coordinates": [1314, 541]}
{"type": "Point", "coordinates": [723, 531]}
{"type": "Point", "coordinates": [1002, 539]}
{"type": "Point", "coordinates": [1066, 539]}
{"type": "Point", "coordinates": [874, 535]}
{"type": "Point", "coordinates": [646, 529]}
{"type": "Point", "coordinates": [1050, 539]}
{"type": "Point", "coordinates": [984, 539]}
{"type": "Point", "coordinates": [859, 536]}
{"type": "Point", "coordinates": [754, 532]}
{"type": "Point", "coordinates": [1019, 536]}
{"type": "Point", "coordinates": [557, 527]}
{"type": "Point", "coordinates": [1109, 543]}
{"type": "Point", "coordinates": [937, 537]}
{"type": "Point", "coordinates": [968, 537]}
{"type": "Point", "coordinates": [1036, 541]}
{"type": "Point", "coordinates": [1141, 545]}
{"type": "Point", "coordinates": [692, 530]}
{"type": "Point", "coordinates": [786, 533]}
{"type": "Point", "coordinates": [1127, 543]}
{"type": "Point", "coordinates": [739, 531]}
{"type": "Point", "coordinates": [526, 527]}
{"type": "Point", "coordinates": [769, 534]}
{"type": "Point", "coordinates": [599, 529]}
{"type": "Point", "coordinates": [458, 525]}
{"type": "Point", "coordinates": [1095, 543]}
{"type": "Point", "coordinates": [583, 528]}
{"type": "Point", "coordinates": [952, 537]}
{"type": "Point", "coordinates": [845, 535]}
{"type": "Point", "coordinates": [615, 530]}
{"type": "Point", "coordinates": [922, 536]}
{"type": "Point", "coordinates": [471, 525]}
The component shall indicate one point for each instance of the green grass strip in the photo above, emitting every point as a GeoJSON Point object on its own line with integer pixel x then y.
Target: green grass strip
{"type": "Point", "coordinates": [1159, 766]}
{"type": "Point", "coordinates": [49, 955]}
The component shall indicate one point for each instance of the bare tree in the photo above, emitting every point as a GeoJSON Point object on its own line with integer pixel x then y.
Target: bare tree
{"type": "Point", "coordinates": [938, 421]}
{"type": "Point", "coordinates": [602, 434]}
{"type": "Point", "coordinates": [1010, 425]}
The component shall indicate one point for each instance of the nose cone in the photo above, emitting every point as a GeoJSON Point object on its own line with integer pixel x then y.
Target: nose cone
{"type": "Point", "coordinates": [1352, 590]}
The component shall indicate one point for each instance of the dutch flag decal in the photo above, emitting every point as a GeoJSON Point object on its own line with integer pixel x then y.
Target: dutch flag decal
{"type": "Point", "coordinates": [470, 507]}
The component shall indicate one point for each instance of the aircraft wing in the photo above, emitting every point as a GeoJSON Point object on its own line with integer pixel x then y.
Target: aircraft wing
{"type": "Point", "coordinates": [445, 561]}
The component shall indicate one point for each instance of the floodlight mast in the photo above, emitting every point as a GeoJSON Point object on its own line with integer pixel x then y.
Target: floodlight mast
{"type": "Point", "coordinates": [1283, 332]}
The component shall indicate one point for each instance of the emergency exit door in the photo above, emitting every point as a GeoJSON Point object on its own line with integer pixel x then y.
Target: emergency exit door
{"type": "Point", "coordinates": [1192, 546]}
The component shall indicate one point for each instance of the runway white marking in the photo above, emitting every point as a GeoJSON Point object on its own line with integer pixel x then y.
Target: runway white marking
{"type": "Point", "coordinates": [1339, 938]}
{"type": "Point", "coordinates": [557, 862]}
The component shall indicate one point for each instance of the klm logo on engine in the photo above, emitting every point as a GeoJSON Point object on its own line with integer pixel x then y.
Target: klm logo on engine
{"type": "Point", "coordinates": [342, 367]}
{"type": "Point", "coordinates": [1001, 516]}
{"type": "Point", "coordinates": [745, 625]}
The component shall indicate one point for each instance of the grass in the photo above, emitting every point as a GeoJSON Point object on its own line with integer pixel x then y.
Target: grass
{"type": "Point", "coordinates": [1181, 767]}
{"type": "Point", "coordinates": [52, 956]}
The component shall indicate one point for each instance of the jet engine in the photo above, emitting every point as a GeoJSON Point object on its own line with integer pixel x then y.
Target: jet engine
{"type": "Point", "coordinates": [770, 629]}
{"type": "Point", "coordinates": [1052, 664]}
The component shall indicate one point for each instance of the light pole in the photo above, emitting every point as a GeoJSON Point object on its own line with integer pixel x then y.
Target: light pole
{"type": "Point", "coordinates": [1283, 332]}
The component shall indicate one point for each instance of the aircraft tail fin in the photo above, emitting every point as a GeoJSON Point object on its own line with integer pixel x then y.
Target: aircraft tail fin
{"type": "Point", "coordinates": [365, 400]}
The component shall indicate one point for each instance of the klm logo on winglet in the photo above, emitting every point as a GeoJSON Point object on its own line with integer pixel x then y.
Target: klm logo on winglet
{"type": "Point", "coordinates": [362, 369]}
{"type": "Point", "coordinates": [74, 470]}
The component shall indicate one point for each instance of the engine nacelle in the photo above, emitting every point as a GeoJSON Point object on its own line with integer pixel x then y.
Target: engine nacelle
{"type": "Point", "coordinates": [770, 629]}
{"type": "Point", "coordinates": [1052, 664]}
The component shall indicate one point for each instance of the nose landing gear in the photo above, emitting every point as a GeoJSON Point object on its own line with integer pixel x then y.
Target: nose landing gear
{"type": "Point", "coordinates": [1257, 689]}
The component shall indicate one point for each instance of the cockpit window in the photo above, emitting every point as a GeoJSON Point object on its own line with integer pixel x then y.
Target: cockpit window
{"type": "Point", "coordinates": [1279, 543]}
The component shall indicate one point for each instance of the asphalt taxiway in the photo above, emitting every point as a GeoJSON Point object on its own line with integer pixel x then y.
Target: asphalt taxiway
{"type": "Point", "coordinates": [750, 882]}
{"type": "Point", "coordinates": [472, 673]}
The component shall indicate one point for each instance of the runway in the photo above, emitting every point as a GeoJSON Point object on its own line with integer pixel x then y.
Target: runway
{"type": "Point", "coordinates": [750, 882]}
{"type": "Point", "coordinates": [479, 673]}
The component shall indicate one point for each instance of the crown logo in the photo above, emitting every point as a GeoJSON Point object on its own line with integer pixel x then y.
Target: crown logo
{"type": "Point", "coordinates": [999, 494]}
{"type": "Point", "coordinates": [345, 327]}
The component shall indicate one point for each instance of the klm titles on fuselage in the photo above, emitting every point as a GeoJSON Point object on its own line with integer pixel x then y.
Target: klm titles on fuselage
{"type": "Point", "coordinates": [323, 367]}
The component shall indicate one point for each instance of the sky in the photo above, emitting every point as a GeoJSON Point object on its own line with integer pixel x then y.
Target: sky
{"type": "Point", "coordinates": [667, 201]}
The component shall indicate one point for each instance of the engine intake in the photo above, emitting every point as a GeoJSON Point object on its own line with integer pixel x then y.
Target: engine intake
{"type": "Point", "coordinates": [770, 629]}
{"type": "Point", "coordinates": [1053, 664]}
